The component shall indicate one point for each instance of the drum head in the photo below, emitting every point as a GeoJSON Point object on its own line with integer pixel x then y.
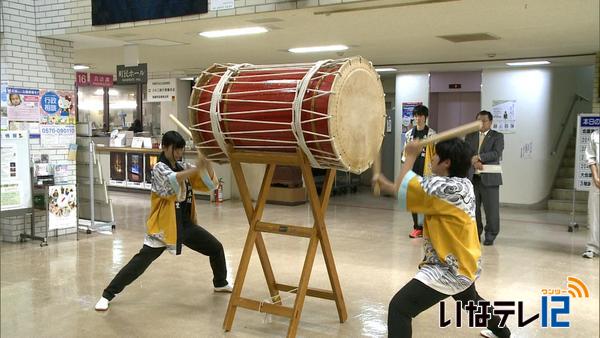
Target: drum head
{"type": "Point", "coordinates": [357, 107]}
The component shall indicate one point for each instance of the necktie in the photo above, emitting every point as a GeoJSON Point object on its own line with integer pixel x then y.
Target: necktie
{"type": "Point", "coordinates": [481, 137]}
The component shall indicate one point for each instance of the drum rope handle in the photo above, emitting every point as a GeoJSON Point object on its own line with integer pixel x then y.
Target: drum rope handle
{"type": "Point", "coordinates": [215, 106]}
{"type": "Point", "coordinates": [297, 109]}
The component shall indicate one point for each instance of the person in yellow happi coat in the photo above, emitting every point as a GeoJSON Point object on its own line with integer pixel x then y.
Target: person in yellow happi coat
{"type": "Point", "coordinates": [172, 221]}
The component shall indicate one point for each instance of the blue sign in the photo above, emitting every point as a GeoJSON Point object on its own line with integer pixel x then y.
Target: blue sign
{"type": "Point", "coordinates": [590, 121]}
{"type": "Point", "coordinates": [49, 103]}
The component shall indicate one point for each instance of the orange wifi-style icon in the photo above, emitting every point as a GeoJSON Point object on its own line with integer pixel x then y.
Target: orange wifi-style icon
{"type": "Point", "coordinates": [577, 288]}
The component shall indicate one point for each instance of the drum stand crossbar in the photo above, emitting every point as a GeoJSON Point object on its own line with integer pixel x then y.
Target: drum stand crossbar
{"type": "Point", "coordinates": [317, 235]}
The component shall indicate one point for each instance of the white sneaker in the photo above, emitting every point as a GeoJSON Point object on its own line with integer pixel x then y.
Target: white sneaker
{"type": "Point", "coordinates": [588, 254]}
{"type": "Point", "coordinates": [487, 333]}
{"type": "Point", "coordinates": [227, 288]}
{"type": "Point", "coordinates": [102, 304]}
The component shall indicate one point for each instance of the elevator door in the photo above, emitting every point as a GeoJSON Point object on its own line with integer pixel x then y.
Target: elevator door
{"type": "Point", "coordinates": [454, 109]}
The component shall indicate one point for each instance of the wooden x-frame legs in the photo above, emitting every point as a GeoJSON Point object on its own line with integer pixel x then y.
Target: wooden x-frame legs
{"type": "Point", "coordinates": [317, 234]}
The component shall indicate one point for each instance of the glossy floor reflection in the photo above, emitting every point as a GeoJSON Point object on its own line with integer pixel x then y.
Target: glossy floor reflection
{"type": "Point", "coordinates": [51, 291]}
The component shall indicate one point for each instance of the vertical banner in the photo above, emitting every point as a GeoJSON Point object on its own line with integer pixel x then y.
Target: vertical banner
{"type": "Point", "coordinates": [505, 115]}
{"type": "Point", "coordinates": [586, 124]}
{"type": "Point", "coordinates": [57, 107]}
{"type": "Point", "coordinates": [62, 207]}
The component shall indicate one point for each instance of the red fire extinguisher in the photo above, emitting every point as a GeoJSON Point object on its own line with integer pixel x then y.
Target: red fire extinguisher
{"type": "Point", "coordinates": [219, 191]}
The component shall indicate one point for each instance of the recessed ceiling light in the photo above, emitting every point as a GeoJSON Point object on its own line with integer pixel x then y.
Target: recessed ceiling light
{"type": "Point", "coordinates": [80, 67]}
{"type": "Point", "coordinates": [233, 32]}
{"type": "Point", "coordinates": [528, 63]}
{"type": "Point", "coordinates": [317, 49]}
{"type": "Point", "coordinates": [382, 70]}
{"type": "Point", "coordinates": [187, 78]}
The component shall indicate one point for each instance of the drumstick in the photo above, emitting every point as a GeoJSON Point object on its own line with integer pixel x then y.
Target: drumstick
{"type": "Point", "coordinates": [377, 172]}
{"type": "Point", "coordinates": [186, 130]}
{"type": "Point", "coordinates": [180, 125]}
{"type": "Point", "coordinates": [452, 133]}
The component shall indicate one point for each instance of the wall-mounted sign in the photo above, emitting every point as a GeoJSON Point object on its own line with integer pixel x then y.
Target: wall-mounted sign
{"type": "Point", "coordinates": [51, 134]}
{"type": "Point", "coordinates": [92, 79]}
{"type": "Point", "coordinates": [15, 190]}
{"type": "Point", "coordinates": [505, 116]}
{"type": "Point", "coordinates": [132, 74]}
{"type": "Point", "coordinates": [217, 5]}
{"type": "Point", "coordinates": [102, 80]}
{"type": "Point", "coordinates": [56, 107]}
{"type": "Point", "coordinates": [82, 79]}
{"type": "Point", "coordinates": [161, 90]}
{"type": "Point", "coordinates": [23, 104]}
{"type": "Point", "coordinates": [586, 125]}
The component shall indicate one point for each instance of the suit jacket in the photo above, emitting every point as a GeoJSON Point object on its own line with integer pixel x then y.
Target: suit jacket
{"type": "Point", "coordinates": [490, 153]}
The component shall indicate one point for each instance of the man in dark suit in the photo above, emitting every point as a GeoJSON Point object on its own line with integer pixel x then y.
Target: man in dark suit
{"type": "Point", "coordinates": [486, 146]}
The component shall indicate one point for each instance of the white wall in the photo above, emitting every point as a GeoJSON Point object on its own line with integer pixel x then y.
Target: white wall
{"type": "Point", "coordinates": [543, 97]}
{"type": "Point", "coordinates": [409, 88]}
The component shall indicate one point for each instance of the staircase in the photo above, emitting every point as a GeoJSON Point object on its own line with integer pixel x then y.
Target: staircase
{"type": "Point", "coordinates": [562, 192]}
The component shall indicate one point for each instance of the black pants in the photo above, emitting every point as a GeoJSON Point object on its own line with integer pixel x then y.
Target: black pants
{"type": "Point", "coordinates": [195, 238]}
{"type": "Point", "coordinates": [416, 297]}
{"type": "Point", "coordinates": [416, 224]}
{"type": "Point", "coordinates": [489, 196]}
{"type": "Point", "coordinates": [418, 168]}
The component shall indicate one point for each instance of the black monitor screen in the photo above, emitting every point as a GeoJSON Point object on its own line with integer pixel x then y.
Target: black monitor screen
{"type": "Point", "coordinates": [106, 12]}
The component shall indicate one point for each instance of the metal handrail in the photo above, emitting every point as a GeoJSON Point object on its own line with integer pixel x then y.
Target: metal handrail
{"type": "Point", "coordinates": [576, 98]}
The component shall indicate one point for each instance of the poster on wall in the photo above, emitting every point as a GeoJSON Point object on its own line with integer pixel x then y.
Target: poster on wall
{"type": "Point", "coordinates": [135, 170]}
{"type": "Point", "coordinates": [160, 90]}
{"type": "Point", "coordinates": [505, 115]}
{"type": "Point", "coordinates": [32, 127]}
{"type": "Point", "coordinates": [57, 107]}
{"type": "Point", "coordinates": [117, 169]}
{"type": "Point", "coordinates": [23, 104]}
{"type": "Point", "coordinates": [586, 124]}
{"type": "Point", "coordinates": [3, 105]}
{"type": "Point", "coordinates": [62, 207]}
{"type": "Point", "coordinates": [53, 135]}
{"type": "Point", "coordinates": [407, 114]}
{"type": "Point", "coordinates": [15, 181]}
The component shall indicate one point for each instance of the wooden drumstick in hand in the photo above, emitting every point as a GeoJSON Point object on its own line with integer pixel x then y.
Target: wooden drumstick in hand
{"type": "Point", "coordinates": [180, 125]}
{"type": "Point", "coordinates": [187, 131]}
{"type": "Point", "coordinates": [376, 173]}
{"type": "Point", "coordinates": [452, 133]}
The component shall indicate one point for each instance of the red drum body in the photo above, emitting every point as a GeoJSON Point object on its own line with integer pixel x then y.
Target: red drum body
{"type": "Point", "coordinates": [334, 110]}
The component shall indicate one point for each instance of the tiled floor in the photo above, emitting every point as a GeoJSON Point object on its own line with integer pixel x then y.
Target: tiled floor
{"type": "Point", "coordinates": [51, 291]}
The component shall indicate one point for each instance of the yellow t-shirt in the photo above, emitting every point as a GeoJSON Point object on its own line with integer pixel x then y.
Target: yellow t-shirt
{"type": "Point", "coordinates": [452, 250]}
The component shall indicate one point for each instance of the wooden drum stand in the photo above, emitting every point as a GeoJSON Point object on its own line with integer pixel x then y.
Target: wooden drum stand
{"type": "Point", "coordinates": [317, 234]}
